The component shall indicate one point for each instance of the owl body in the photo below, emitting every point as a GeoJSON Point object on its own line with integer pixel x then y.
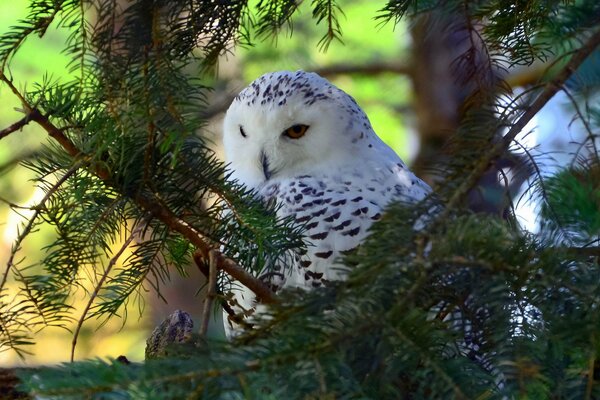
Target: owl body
{"type": "Point", "coordinates": [305, 144]}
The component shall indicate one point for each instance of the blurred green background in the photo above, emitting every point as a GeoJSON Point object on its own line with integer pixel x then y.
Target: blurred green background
{"type": "Point", "coordinates": [384, 96]}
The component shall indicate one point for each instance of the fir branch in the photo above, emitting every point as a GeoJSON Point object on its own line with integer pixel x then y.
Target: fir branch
{"type": "Point", "coordinates": [223, 263]}
{"type": "Point", "coordinates": [29, 226]}
{"type": "Point", "coordinates": [11, 266]}
{"type": "Point", "coordinates": [455, 386]}
{"type": "Point", "coordinates": [326, 10]}
{"type": "Point", "coordinates": [4, 78]}
{"type": "Point", "coordinates": [551, 88]}
{"type": "Point", "coordinates": [134, 233]}
{"type": "Point", "coordinates": [154, 206]}
{"type": "Point", "coordinates": [58, 135]}
{"type": "Point", "coordinates": [42, 14]}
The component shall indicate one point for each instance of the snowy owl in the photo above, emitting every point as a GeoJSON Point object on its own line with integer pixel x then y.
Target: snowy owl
{"type": "Point", "coordinates": [297, 139]}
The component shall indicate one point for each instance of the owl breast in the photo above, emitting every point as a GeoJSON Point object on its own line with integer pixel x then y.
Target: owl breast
{"type": "Point", "coordinates": [336, 211]}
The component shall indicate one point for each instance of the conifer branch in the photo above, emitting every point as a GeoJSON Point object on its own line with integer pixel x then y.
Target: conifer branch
{"type": "Point", "coordinates": [551, 88]}
{"type": "Point", "coordinates": [154, 206]}
{"type": "Point", "coordinates": [30, 223]}
{"type": "Point", "coordinates": [196, 238]}
{"type": "Point", "coordinates": [134, 233]}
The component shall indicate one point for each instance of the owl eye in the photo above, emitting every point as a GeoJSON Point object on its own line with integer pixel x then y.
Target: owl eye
{"type": "Point", "coordinates": [242, 132]}
{"type": "Point", "coordinates": [296, 131]}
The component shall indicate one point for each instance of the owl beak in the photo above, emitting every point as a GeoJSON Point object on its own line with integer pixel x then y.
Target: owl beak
{"type": "Point", "coordinates": [265, 165]}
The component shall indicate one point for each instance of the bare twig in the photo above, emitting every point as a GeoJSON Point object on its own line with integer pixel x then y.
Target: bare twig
{"type": "Point", "coordinates": [589, 386]}
{"type": "Point", "coordinates": [15, 127]}
{"type": "Point", "coordinates": [16, 206]}
{"type": "Point", "coordinates": [551, 88]}
{"type": "Point", "coordinates": [134, 233]}
{"type": "Point", "coordinates": [210, 295]}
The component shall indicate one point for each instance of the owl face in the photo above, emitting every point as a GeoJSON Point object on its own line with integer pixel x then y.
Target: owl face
{"type": "Point", "coordinates": [286, 124]}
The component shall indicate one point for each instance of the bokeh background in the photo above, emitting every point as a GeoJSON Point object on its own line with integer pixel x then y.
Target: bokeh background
{"type": "Point", "coordinates": [402, 76]}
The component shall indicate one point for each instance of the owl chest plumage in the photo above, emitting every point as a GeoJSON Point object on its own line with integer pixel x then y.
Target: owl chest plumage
{"type": "Point", "coordinates": [336, 210]}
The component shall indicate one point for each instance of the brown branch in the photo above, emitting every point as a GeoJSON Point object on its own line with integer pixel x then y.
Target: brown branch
{"type": "Point", "coordinates": [60, 137]}
{"type": "Point", "coordinates": [551, 88]}
{"type": "Point", "coordinates": [30, 223]}
{"type": "Point", "coordinates": [15, 127]}
{"type": "Point", "coordinates": [204, 269]}
{"type": "Point", "coordinates": [589, 384]}
{"type": "Point", "coordinates": [265, 294]}
{"type": "Point", "coordinates": [582, 251]}
{"type": "Point", "coordinates": [210, 295]}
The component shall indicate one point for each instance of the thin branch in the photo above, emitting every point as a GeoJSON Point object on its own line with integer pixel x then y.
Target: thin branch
{"type": "Point", "coordinates": [15, 127]}
{"type": "Point", "coordinates": [30, 223]}
{"type": "Point", "coordinates": [587, 127]}
{"type": "Point", "coordinates": [16, 206]}
{"type": "Point", "coordinates": [224, 100]}
{"type": "Point", "coordinates": [551, 88]}
{"type": "Point", "coordinates": [15, 91]}
{"type": "Point", "coordinates": [210, 296]}
{"type": "Point", "coordinates": [134, 233]}
{"type": "Point", "coordinates": [589, 384]}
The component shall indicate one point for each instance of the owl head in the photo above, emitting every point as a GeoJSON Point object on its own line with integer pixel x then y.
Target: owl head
{"type": "Point", "coordinates": [286, 124]}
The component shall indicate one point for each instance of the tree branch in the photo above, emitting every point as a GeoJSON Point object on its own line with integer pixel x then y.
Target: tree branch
{"type": "Point", "coordinates": [15, 127]}
{"type": "Point", "coordinates": [60, 137]}
{"type": "Point", "coordinates": [113, 261]}
{"type": "Point", "coordinates": [551, 88]}
{"type": "Point", "coordinates": [31, 222]}
{"type": "Point", "coordinates": [152, 205]}
{"type": "Point", "coordinates": [583, 251]}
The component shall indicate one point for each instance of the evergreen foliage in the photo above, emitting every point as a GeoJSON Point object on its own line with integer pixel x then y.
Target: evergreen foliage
{"type": "Point", "coordinates": [439, 303]}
